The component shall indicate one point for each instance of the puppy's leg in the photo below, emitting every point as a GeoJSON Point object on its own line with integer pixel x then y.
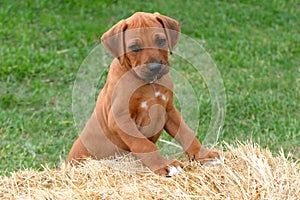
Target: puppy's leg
{"type": "Point", "coordinates": [78, 152]}
{"type": "Point", "coordinates": [178, 129]}
{"type": "Point", "coordinates": [147, 152]}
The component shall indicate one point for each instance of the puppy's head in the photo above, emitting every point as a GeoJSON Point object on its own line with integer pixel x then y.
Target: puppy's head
{"type": "Point", "coordinates": [141, 43]}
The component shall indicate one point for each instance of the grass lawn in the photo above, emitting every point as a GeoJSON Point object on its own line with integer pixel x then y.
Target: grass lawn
{"type": "Point", "coordinates": [256, 46]}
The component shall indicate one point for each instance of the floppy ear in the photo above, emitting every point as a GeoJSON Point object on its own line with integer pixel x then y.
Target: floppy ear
{"type": "Point", "coordinates": [113, 40]}
{"type": "Point", "coordinates": [171, 28]}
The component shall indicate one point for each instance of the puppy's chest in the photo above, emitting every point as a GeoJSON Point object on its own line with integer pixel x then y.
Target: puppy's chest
{"type": "Point", "coordinates": [148, 108]}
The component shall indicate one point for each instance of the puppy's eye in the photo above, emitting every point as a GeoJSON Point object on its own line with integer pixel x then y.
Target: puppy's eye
{"type": "Point", "coordinates": [161, 42]}
{"type": "Point", "coordinates": [135, 48]}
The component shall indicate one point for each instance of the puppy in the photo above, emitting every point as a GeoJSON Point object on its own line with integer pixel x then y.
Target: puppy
{"type": "Point", "coordinates": [137, 101]}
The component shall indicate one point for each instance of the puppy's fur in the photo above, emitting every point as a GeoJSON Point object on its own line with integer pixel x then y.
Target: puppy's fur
{"type": "Point", "coordinates": [137, 101]}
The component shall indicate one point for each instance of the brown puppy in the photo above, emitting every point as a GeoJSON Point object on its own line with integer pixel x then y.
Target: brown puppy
{"type": "Point", "coordinates": [137, 101]}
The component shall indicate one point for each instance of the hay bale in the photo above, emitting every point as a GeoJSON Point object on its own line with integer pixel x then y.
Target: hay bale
{"type": "Point", "coordinates": [247, 173]}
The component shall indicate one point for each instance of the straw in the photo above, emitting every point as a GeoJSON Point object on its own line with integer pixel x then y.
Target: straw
{"type": "Point", "coordinates": [248, 172]}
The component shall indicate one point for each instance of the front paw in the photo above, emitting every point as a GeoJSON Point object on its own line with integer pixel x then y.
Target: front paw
{"type": "Point", "coordinates": [170, 170]}
{"type": "Point", "coordinates": [205, 156]}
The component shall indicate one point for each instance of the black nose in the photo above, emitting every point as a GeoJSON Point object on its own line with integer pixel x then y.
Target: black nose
{"type": "Point", "coordinates": [154, 67]}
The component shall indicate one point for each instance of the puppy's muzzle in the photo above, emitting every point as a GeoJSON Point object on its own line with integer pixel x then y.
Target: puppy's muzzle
{"type": "Point", "coordinates": [152, 71]}
{"type": "Point", "coordinates": [155, 71]}
{"type": "Point", "coordinates": [154, 67]}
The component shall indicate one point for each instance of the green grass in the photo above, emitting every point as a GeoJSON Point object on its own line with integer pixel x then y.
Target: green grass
{"type": "Point", "coordinates": [256, 46]}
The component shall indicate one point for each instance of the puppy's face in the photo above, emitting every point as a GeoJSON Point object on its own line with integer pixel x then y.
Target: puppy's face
{"type": "Point", "coordinates": [141, 43]}
{"type": "Point", "coordinates": [147, 52]}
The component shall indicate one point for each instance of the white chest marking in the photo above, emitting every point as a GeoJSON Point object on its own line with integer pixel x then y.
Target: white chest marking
{"type": "Point", "coordinates": [144, 105]}
{"type": "Point", "coordinates": [157, 94]}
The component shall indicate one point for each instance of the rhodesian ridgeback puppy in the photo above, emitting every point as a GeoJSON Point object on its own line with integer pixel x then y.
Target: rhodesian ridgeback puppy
{"type": "Point", "coordinates": [137, 101]}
